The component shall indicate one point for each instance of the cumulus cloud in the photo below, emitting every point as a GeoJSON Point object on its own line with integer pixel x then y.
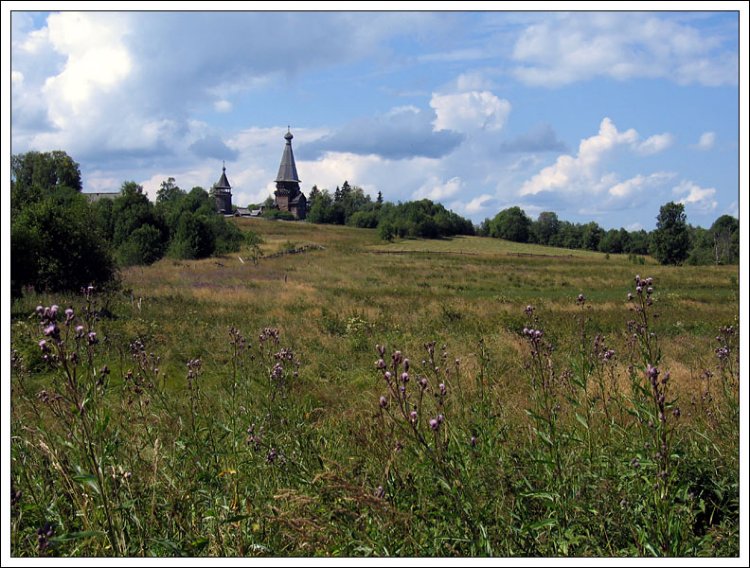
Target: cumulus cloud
{"type": "Point", "coordinates": [542, 138]}
{"type": "Point", "coordinates": [437, 190]}
{"type": "Point", "coordinates": [479, 204]}
{"type": "Point", "coordinates": [655, 144]}
{"type": "Point", "coordinates": [706, 141]}
{"type": "Point", "coordinates": [699, 198]}
{"type": "Point", "coordinates": [638, 183]}
{"type": "Point", "coordinates": [574, 173]}
{"type": "Point", "coordinates": [404, 132]}
{"type": "Point", "coordinates": [577, 47]}
{"type": "Point", "coordinates": [469, 111]}
{"type": "Point", "coordinates": [102, 83]}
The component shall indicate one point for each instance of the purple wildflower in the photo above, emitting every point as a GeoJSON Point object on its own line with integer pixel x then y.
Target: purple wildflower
{"type": "Point", "coordinates": [413, 416]}
{"type": "Point", "coordinates": [434, 424]}
{"type": "Point", "coordinates": [383, 402]}
{"type": "Point", "coordinates": [92, 338]}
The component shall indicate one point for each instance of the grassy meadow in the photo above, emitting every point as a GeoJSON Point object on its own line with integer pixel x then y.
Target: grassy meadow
{"type": "Point", "coordinates": [239, 406]}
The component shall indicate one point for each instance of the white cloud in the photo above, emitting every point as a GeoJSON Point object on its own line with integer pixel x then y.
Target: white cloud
{"type": "Point", "coordinates": [437, 190]}
{"type": "Point", "coordinates": [576, 47]}
{"type": "Point", "coordinates": [706, 141]}
{"type": "Point", "coordinates": [573, 174]}
{"type": "Point", "coordinates": [699, 198]}
{"type": "Point", "coordinates": [478, 204]}
{"type": "Point", "coordinates": [97, 60]}
{"type": "Point", "coordinates": [638, 183]}
{"type": "Point", "coordinates": [655, 144]}
{"type": "Point", "coordinates": [222, 105]}
{"type": "Point", "coordinates": [469, 111]}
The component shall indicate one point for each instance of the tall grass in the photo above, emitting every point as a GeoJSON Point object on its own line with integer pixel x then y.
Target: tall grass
{"type": "Point", "coordinates": [500, 414]}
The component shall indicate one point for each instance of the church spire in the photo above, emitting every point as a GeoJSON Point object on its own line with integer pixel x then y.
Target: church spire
{"type": "Point", "coordinates": [287, 168]}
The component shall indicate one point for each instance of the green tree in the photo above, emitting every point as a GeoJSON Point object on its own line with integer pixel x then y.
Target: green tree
{"type": "Point", "coordinates": [725, 236]}
{"type": "Point", "coordinates": [36, 175]}
{"type": "Point", "coordinates": [546, 227]}
{"type": "Point", "coordinates": [511, 224]}
{"type": "Point", "coordinates": [193, 238]}
{"type": "Point", "coordinates": [591, 235]}
{"type": "Point", "coordinates": [671, 239]}
{"type": "Point", "coordinates": [55, 246]}
{"type": "Point", "coordinates": [168, 191]}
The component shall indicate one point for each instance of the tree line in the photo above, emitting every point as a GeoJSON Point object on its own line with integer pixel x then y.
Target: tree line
{"type": "Point", "coordinates": [673, 241]}
{"type": "Point", "coordinates": [61, 241]}
{"type": "Point", "coordinates": [349, 205]}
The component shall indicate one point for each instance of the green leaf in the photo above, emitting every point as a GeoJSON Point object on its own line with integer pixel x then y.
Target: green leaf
{"type": "Point", "coordinates": [543, 524]}
{"type": "Point", "coordinates": [541, 495]}
{"type": "Point", "coordinates": [88, 480]}
{"type": "Point", "coordinates": [582, 420]}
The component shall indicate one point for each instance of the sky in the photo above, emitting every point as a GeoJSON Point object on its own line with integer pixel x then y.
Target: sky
{"type": "Point", "coordinates": [596, 115]}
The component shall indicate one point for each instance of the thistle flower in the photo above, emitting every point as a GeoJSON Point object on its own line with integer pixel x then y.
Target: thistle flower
{"type": "Point", "coordinates": [473, 441]}
{"type": "Point", "coordinates": [383, 402]}
{"type": "Point", "coordinates": [92, 338]}
{"type": "Point", "coordinates": [581, 299]}
{"type": "Point", "coordinates": [413, 416]}
{"type": "Point", "coordinates": [434, 424]}
{"type": "Point", "coordinates": [443, 389]}
{"type": "Point", "coordinates": [406, 364]}
{"type": "Point", "coordinates": [43, 346]}
{"type": "Point", "coordinates": [423, 383]}
{"type": "Point", "coordinates": [379, 492]}
{"type": "Point", "coordinates": [380, 364]}
{"type": "Point", "coordinates": [405, 377]}
{"type": "Point", "coordinates": [52, 331]}
{"type": "Point", "coordinates": [69, 314]}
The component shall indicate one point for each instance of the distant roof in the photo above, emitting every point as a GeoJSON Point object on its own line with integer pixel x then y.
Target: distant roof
{"type": "Point", "coordinates": [287, 168]}
{"type": "Point", "coordinates": [223, 182]}
{"type": "Point", "coordinates": [96, 196]}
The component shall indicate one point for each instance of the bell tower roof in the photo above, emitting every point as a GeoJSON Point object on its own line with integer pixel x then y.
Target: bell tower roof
{"type": "Point", "coordinates": [223, 182]}
{"type": "Point", "coordinates": [287, 168]}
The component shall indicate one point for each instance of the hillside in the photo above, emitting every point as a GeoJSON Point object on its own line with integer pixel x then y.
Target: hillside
{"type": "Point", "coordinates": [247, 401]}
